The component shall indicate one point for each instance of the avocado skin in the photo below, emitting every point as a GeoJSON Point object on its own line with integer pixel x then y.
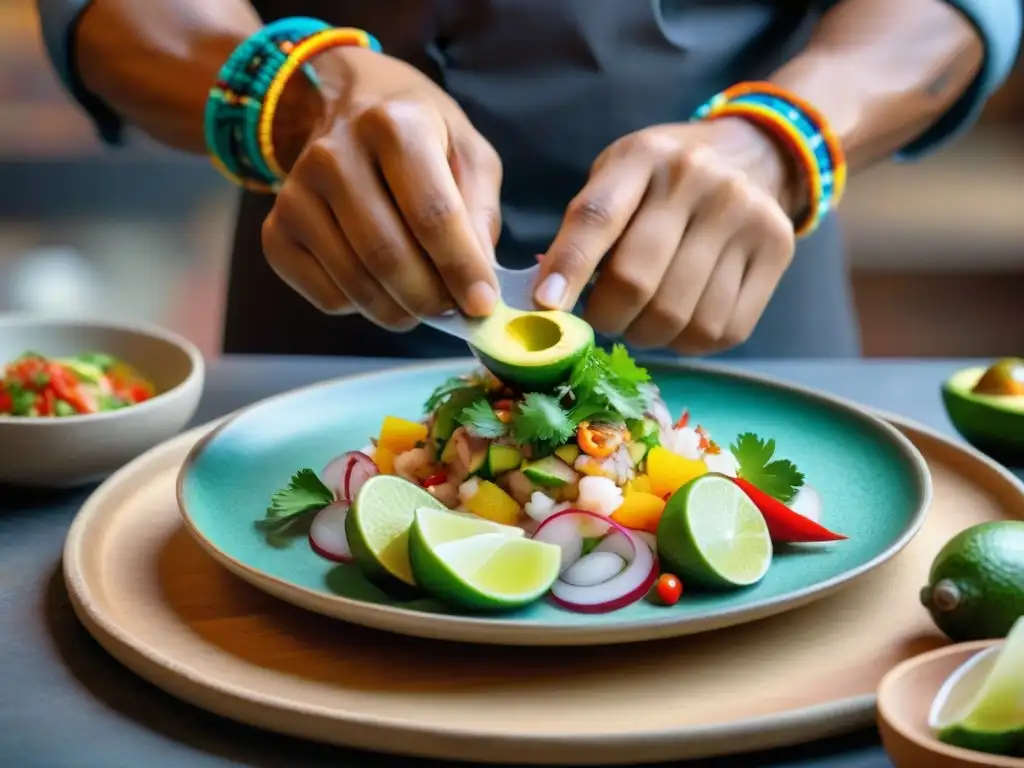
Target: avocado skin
{"type": "Point", "coordinates": [539, 378]}
{"type": "Point", "coordinates": [997, 432]}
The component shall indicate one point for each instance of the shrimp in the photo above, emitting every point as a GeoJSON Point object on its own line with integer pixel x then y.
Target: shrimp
{"type": "Point", "coordinates": [446, 493]}
{"type": "Point", "coordinates": [413, 463]}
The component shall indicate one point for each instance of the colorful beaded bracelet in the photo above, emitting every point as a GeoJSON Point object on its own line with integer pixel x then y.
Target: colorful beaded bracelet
{"type": "Point", "coordinates": [801, 129]}
{"type": "Point", "coordinates": [234, 101]}
{"type": "Point", "coordinates": [298, 57]}
{"type": "Point", "coordinates": [236, 109]}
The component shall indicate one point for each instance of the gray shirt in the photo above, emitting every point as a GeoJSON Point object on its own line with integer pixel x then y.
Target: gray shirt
{"type": "Point", "coordinates": [551, 83]}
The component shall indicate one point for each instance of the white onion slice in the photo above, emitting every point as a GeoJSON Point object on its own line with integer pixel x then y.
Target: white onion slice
{"type": "Point", "coordinates": [346, 474]}
{"type": "Point", "coordinates": [807, 502]}
{"type": "Point", "coordinates": [327, 533]}
{"type": "Point", "coordinates": [593, 569]}
{"type": "Point", "coordinates": [627, 586]}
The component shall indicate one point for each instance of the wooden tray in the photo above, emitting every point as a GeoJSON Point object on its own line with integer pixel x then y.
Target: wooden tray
{"type": "Point", "coordinates": [160, 605]}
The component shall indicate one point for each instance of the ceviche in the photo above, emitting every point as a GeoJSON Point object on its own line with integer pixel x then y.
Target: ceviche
{"type": "Point", "coordinates": [35, 385]}
{"type": "Point", "coordinates": [592, 493]}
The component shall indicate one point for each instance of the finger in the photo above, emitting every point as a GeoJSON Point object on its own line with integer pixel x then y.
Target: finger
{"type": "Point", "coordinates": [672, 307]}
{"type": "Point", "coordinates": [636, 267]}
{"type": "Point", "coordinates": [300, 270]}
{"type": "Point", "coordinates": [412, 150]}
{"type": "Point", "coordinates": [715, 308]}
{"type": "Point", "coordinates": [309, 222]}
{"type": "Point", "coordinates": [363, 210]}
{"type": "Point", "coordinates": [478, 173]}
{"type": "Point", "coordinates": [594, 221]}
{"type": "Point", "coordinates": [762, 278]}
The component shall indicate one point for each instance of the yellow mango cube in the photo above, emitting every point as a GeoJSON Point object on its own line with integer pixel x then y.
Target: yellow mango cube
{"type": "Point", "coordinates": [494, 504]}
{"type": "Point", "coordinates": [668, 472]}
{"type": "Point", "coordinates": [385, 460]}
{"type": "Point", "coordinates": [640, 511]}
{"type": "Point", "coordinates": [400, 435]}
{"type": "Point", "coordinates": [639, 484]}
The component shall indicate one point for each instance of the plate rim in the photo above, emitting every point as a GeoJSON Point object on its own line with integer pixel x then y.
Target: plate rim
{"type": "Point", "coordinates": [490, 631]}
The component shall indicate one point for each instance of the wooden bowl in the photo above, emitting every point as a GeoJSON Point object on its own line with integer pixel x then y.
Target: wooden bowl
{"type": "Point", "coordinates": [905, 697]}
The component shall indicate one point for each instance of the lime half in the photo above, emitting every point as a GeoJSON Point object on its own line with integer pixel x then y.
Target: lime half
{"type": "Point", "coordinates": [712, 533]}
{"type": "Point", "coordinates": [981, 705]}
{"type": "Point", "coordinates": [479, 565]}
{"type": "Point", "coordinates": [377, 525]}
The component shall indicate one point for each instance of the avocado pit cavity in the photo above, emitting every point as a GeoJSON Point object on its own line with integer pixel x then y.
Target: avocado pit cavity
{"type": "Point", "coordinates": [534, 333]}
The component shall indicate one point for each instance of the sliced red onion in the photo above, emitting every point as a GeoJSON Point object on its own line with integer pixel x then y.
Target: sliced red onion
{"type": "Point", "coordinates": [346, 474]}
{"type": "Point", "coordinates": [624, 587]}
{"type": "Point", "coordinates": [807, 502]}
{"type": "Point", "coordinates": [327, 533]}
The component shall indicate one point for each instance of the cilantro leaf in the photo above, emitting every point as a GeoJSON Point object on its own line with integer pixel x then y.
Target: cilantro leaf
{"type": "Point", "coordinates": [480, 420]}
{"type": "Point", "coordinates": [778, 478]}
{"type": "Point", "coordinates": [305, 493]}
{"type": "Point", "coordinates": [23, 401]}
{"type": "Point", "coordinates": [610, 381]}
{"type": "Point", "coordinates": [541, 421]}
{"type": "Point", "coordinates": [625, 368]}
{"type": "Point", "coordinates": [443, 391]}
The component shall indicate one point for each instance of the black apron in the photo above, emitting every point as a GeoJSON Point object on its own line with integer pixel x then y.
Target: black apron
{"type": "Point", "coordinates": [551, 83]}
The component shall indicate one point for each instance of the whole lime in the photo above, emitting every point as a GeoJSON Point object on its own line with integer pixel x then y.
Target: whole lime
{"type": "Point", "coordinates": [975, 587]}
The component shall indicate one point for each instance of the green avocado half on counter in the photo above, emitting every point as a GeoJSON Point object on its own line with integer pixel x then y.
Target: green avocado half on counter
{"type": "Point", "coordinates": [986, 405]}
{"type": "Point", "coordinates": [534, 351]}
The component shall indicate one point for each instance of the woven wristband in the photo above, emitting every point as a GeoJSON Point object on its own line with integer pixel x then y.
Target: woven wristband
{"type": "Point", "coordinates": [802, 131]}
{"type": "Point", "coordinates": [298, 57]}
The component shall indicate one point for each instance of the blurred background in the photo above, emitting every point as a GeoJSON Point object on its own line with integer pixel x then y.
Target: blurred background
{"type": "Point", "coordinates": [936, 248]}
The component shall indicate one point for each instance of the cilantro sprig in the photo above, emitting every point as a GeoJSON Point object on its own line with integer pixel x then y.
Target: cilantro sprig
{"type": "Point", "coordinates": [609, 381]}
{"type": "Point", "coordinates": [542, 422]}
{"type": "Point", "coordinates": [305, 493]}
{"type": "Point", "coordinates": [778, 478]}
{"type": "Point", "coordinates": [480, 420]}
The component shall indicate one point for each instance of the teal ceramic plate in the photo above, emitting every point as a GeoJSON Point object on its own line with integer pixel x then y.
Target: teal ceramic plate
{"type": "Point", "coordinates": [874, 484]}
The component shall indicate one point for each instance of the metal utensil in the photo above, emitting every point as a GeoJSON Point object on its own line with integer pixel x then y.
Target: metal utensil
{"type": "Point", "coordinates": [516, 287]}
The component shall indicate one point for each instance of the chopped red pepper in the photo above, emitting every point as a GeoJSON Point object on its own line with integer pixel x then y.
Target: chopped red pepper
{"type": "Point", "coordinates": [65, 386]}
{"type": "Point", "coordinates": [435, 479]}
{"type": "Point", "coordinates": [785, 525]}
{"type": "Point", "coordinates": [684, 419]}
{"type": "Point", "coordinates": [6, 401]}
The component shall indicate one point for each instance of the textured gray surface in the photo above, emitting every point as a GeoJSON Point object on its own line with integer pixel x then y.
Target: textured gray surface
{"type": "Point", "coordinates": [65, 703]}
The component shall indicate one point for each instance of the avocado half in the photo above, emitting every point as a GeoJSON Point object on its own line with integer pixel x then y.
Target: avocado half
{"type": "Point", "coordinates": [534, 351]}
{"type": "Point", "coordinates": [992, 423]}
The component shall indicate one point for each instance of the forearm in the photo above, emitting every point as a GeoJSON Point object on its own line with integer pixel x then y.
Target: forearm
{"type": "Point", "coordinates": [154, 63]}
{"type": "Point", "coordinates": [882, 72]}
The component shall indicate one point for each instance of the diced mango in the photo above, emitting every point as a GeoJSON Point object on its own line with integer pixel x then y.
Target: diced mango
{"type": "Point", "coordinates": [640, 511]}
{"type": "Point", "coordinates": [491, 502]}
{"type": "Point", "coordinates": [385, 460]}
{"type": "Point", "coordinates": [639, 484]}
{"type": "Point", "coordinates": [400, 435]}
{"type": "Point", "coordinates": [668, 472]}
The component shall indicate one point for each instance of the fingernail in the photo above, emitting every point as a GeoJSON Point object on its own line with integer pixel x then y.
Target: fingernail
{"type": "Point", "coordinates": [480, 298]}
{"type": "Point", "coordinates": [552, 291]}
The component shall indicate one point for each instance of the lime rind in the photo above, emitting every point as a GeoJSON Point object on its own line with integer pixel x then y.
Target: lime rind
{"type": "Point", "coordinates": [981, 705]}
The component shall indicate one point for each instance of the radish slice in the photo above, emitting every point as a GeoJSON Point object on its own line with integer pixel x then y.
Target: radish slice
{"type": "Point", "coordinates": [327, 533]}
{"type": "Point", "coordinates": [623, 587]}
{"type": "Point", "coordinates": [346, 474]}
{"type": "Point", "coordinates": [593, 569]}
{"type": "Point", "coordinates": [807, 502]}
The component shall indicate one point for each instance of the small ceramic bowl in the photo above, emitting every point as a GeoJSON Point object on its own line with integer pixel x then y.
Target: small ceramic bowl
{"type": "Point", "coordinates": [905, 697]}
{"type": "Point", "coordinates": [75, 450]}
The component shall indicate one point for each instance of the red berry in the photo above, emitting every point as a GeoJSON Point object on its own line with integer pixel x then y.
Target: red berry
{"type": "Point", "coordinates": [669, 588]}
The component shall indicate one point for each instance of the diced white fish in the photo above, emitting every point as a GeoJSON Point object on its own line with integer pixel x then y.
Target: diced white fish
{"type": "Point", "coordinates": [599, 495]}
{"type": "Point", "coordinates": [468, 490]}
{"type": "Point", "coordinates": [541, 506]}
{"type": "Point", "coordinates": [724, 463]}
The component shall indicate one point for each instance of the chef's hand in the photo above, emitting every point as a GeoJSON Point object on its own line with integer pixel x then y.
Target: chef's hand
{"type": "Point", "coordinates": [391, 208]}
{"type": "Point", "coordinates": [693, 221]}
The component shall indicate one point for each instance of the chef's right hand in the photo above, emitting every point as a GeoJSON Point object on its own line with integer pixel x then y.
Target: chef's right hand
{"type": "Point", "coordinates": [391, 208]}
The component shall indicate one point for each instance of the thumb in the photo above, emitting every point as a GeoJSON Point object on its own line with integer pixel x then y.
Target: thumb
{"type": "Point", "coordinates": [478, 173]}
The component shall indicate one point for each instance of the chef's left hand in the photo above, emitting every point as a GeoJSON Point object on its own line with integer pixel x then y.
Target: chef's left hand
{"type": "Point", "coordinates": [691, 225]}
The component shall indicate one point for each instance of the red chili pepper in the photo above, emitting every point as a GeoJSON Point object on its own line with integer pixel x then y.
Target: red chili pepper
{"type": "Point", "coordinates": [45, 402]}
{"type": "Point", "coordinates": [785, 525]}
{"type": "Point", "coordinates": [684, 419]}
{"type": "Point", "coordinates": [435, 479]}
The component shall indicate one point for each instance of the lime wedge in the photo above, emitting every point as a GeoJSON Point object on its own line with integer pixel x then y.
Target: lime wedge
{"type": "Point", "coordinates": [711, 533]}
{"type": "Point", "coordinates": [478, 565]}
{"type": "Point", "coordinates": [981, 705]}
{"type": "Point", "coordinates": [377, 526]}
